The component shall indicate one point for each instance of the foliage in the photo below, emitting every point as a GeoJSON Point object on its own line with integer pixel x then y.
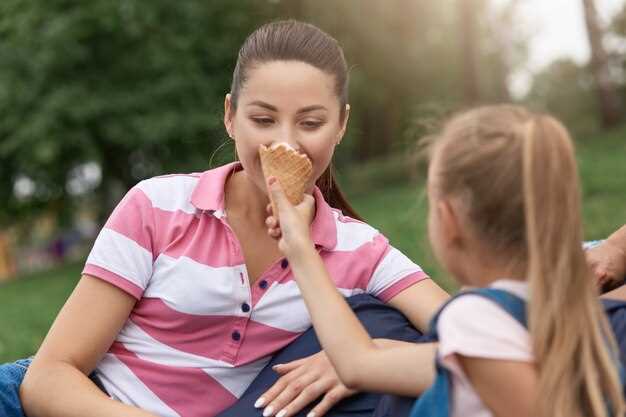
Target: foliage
{"type": "Point", "coordinates": [565, 89]}
{"type": "Point", "coordinates": [134, 85]}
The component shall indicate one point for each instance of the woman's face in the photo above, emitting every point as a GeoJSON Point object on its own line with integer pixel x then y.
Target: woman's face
{"type": "Point", "coordinates": [285, 101]}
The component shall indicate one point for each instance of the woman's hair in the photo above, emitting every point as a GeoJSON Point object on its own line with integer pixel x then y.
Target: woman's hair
{"type": "Point", "coordinates": [291, 40]}
{"type": "Point", "coordinates": [515, 172]}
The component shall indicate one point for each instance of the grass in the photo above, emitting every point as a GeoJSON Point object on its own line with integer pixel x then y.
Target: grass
{"type": "Point", "coordinates": [397, 208]}
{"type": "Point", "coordinates": [28, 307]}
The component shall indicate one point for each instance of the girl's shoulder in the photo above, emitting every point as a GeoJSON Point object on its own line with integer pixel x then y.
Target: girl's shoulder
{"type": "Point", "coordinates": [503, 298]}
{"type": "Point", "coordinates": [474, 325]}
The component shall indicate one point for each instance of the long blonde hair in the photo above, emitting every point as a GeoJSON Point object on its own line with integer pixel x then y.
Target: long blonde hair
{"type": "Point", "coordinates": [517, 175]}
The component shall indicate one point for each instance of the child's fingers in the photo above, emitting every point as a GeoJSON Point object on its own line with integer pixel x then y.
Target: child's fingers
{"type": "Point", "coordinates": [274, 232]}
{"type": "Point", "coordinates": [278, 195]}
{"type": "Point", "coordinates": [271, 222]}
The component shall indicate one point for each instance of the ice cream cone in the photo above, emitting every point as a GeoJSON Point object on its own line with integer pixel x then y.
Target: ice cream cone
{"type": "Point", "coordinates": [291, 168]}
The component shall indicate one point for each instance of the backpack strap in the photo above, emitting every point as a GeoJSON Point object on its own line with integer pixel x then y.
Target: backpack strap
{"type": "Point", "coordinates": [509, 302]}
{"type": "Point", "coordinates": [435, 401]}
{"type": "Point", "coordinates": [516, 307]}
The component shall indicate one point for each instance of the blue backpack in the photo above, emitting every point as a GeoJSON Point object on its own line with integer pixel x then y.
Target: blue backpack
{"type": "Point", "coordinates": [435, 402]}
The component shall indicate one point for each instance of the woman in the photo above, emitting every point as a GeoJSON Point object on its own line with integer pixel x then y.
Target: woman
{"type": "Point", "coordinates": [184, 297]}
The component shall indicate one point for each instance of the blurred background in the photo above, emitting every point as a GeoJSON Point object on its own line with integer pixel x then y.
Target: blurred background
{"type": "Point", "coordinates": [97, 95]}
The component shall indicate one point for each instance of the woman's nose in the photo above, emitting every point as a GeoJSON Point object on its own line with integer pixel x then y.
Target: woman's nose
{"type": "Point", "coordinates": [294, 144]}
{"type": "Point", "coordinates": [289, 136]}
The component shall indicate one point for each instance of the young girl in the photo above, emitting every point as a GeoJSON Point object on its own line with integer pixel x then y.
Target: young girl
{"type": "Point", "coordinates": [184, 298]}
{"type": "Point", "coordinates": [504, 217]}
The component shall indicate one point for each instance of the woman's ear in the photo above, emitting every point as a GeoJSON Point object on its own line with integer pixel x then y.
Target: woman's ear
{"type": "Point", "coordinates": [228, 115]}
{"type": "Point", "coordinates": [344, 124]}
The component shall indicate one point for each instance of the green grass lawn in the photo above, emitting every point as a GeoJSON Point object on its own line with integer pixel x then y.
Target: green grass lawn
{"type": "Point", "coordinates": [397, 208]}
{"type": "Point", "coordinates": [28, 307]}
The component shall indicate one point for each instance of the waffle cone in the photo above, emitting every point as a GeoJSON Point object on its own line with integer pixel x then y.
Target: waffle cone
{"type": "Point", "coordinates": [291, 169]}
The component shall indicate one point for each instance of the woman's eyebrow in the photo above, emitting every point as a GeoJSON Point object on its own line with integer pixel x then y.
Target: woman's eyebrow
{"type": "Point", "coordinates": [264, 105]}
{"type": "Point", "coordinates": [311, 108]}
{"type": "Point", "coordinates": [275, 109]}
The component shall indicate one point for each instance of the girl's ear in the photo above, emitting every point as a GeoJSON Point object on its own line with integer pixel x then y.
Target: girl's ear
{"type": "Point", "coordinates": [228, 115]}
{"type": "Point", "coordinates": [451, 228]}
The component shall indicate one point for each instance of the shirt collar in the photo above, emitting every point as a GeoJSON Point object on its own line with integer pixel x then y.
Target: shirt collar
{"type": "Point", "coordinates": [209, 195]}
{"type": "Point", "coordinates": [209, 192]}
{"type": "Point", "coordinates": [323, 228]}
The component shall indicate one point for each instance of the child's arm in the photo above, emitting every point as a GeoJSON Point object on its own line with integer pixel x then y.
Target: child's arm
{"type": "Point", "coordinates": [56, 384]}
{"type": "Point", "coordinates": [406, 369]}
{"type": "Point", "coordinates": [507, 388]}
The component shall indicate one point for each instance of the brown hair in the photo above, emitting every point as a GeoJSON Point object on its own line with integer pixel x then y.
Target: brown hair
{"type": "Point", "coordinates": [291, 40]}
{"type": "Point", "coordinates": [516, 173]}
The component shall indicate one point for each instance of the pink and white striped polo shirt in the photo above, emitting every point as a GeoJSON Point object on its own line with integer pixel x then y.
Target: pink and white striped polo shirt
{"type": "Point", "coordinates": [200, 333]}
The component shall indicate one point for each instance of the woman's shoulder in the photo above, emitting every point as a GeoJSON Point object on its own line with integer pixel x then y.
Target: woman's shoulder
{"type": "Point", "coordinates": [168, 180]}
{"type": "Point", "coordinates": [170, 191]}
{"type": "Point", "coordinates": [355, 231]}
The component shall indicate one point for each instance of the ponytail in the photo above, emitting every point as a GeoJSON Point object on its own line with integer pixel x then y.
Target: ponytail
{"type": "Point", "coordinates": [572, 343]}
{"type": "Point", "coordinates": [516, 174]}
{"type": "Point", "coordinates": [333, 194]}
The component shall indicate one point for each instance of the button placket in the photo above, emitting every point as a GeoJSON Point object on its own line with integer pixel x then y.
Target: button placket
{"type": "Point", "coordinates": [238, 329]}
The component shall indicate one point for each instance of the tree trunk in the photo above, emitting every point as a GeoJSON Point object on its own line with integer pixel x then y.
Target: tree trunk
{"type": "Point", "coordinates": [468, 42]}
{"type": "Point", "coordinates": [610, 105]}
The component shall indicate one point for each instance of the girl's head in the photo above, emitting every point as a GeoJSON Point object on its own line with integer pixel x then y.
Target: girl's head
{"type": "Point", "coordinates": [505, 181]}
{"type": "Point", "coordinates": [475, 184]}
{"type": "Point", "coordinates": [290, 84]}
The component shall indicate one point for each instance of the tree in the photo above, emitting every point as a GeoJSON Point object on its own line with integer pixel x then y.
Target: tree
{"type": "Point", "coordinates": [608, 98]}
{"type": "Point", "coordinates": [468, 13]}
{"type": "Point", "coordinates": [566, 90]}
{"type": "Point", "coordinates": [405, 57]}
{"type": "Point", "coordinates": [618, 57]}
{"type": "Point", "coordinates": [136, 86]}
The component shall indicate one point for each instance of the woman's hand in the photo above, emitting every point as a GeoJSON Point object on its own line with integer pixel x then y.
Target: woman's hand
{"type": "Point", "coordinates": [301, 383]}
{"type": "Point", "coordinates": [608, 264]}
{"type": "Point", "coordinates": [290, 226]}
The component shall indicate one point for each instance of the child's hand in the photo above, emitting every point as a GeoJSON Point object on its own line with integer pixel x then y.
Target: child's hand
{"type": "Point", "coordinates": [291, 226]}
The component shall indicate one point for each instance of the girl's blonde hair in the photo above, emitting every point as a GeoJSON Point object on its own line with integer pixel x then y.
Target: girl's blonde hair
{"type": "Point", "coordinates": [516, 173]}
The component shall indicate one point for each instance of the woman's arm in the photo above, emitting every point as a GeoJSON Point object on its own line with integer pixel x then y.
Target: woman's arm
{"type": "Point", "coordinates": [56, 384]}
{"type": "Point", "coordinates": [420, 302]}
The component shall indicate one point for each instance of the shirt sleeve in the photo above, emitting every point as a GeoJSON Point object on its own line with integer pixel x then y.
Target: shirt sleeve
{"type": "Point", "coordinates": [474, 326]}
{"type": "Point", "coordinates": [393, 273]}
{"type": "Point", "coordinates": [123, 252]}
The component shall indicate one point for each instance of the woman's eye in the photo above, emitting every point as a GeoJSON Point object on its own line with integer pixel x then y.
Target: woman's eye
{"type": "Point", "coordinates": [311, 124]}
{"type": "Point", "coordinates": [262, 121]}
